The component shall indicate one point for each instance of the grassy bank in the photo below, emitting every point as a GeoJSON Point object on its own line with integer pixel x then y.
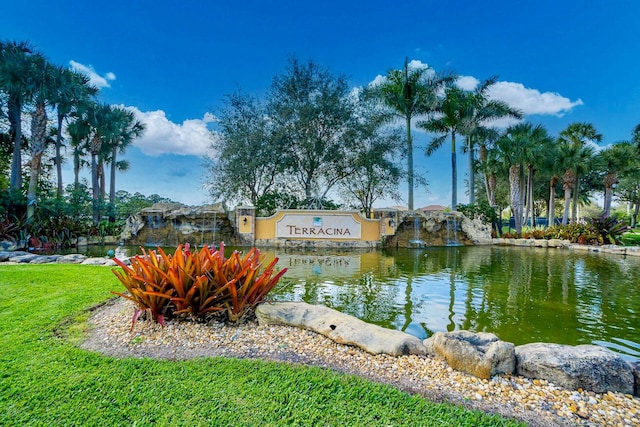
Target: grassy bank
{"type": "Point", "coordinates": [45, 379]}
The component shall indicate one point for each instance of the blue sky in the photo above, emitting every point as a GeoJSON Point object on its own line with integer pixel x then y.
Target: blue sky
{"type": "Point", "coordinates": [173, 62]}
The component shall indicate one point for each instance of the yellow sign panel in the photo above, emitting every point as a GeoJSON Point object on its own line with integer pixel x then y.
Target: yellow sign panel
{"type": "Point", "coordinates": [316, 226]}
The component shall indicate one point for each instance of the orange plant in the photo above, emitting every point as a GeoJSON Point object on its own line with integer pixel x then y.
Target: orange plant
{"type": "Point", "coordinates": [196, 283]}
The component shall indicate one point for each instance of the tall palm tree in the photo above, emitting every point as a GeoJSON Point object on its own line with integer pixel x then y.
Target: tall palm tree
{"type": "Point", "coordinates": [410, 93]}
{"type": "Point", "coordinates": [15, 60]}
{"type": "Point", "coordinates": [539, 142]}
{"type": "Point", "coordinates": [453, 112]}
{"type": "Point", "coordinates": [554, 160]}
{"type": "Point", "coordinates": [515, 149]}
{"type": "Point", "coordinates": [73, 89]}
{"type": "Point", "coordinates": [614, 160]}
{"type": "Point", "coordinates": [481, 111]}
{"type": "Point", "coordinates": [578, 134]}
{"type": "Point", "coordinates": [577, 160]}
{"type": "Point", "coordinates": [125, 130]}
{"type": "Point", "coordinates": [41, 86]}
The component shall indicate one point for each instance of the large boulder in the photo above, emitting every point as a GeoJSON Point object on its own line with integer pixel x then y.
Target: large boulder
{"type": "Point", "coordinates": [339, 327]}
{"type": "Point", "coordinates": [635, 368]}
{"type": "Point", "coordinates": [589, 367]}
{"type": "Point", "coordinates": [479, 354]}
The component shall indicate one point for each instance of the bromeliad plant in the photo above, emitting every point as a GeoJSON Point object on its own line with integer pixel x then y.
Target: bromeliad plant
{"type": "Point", "coordinates": [196, 284]}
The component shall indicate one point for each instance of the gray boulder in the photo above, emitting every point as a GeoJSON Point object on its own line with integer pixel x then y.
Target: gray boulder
{"type": "Point", "coordinates": [45, 259]}
{"type": "Point", "coordinates": [635, 368]}
{"type": "Point", "coordinates": [589, 367]}
{"type": "Point", "coordinates": [339, 327]}
{"type": "Point", "coordinates": [71, 259]}
{"type": "Point", "coordinates": [479, 354]}
{"type": "Point", "coordinates": [8, 245]}
{"type": "Point", "coordinates": [96, 261]}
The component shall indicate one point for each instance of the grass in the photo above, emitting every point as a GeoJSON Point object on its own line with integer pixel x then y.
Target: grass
{"type": "Point", "coordinates": [46, 379]}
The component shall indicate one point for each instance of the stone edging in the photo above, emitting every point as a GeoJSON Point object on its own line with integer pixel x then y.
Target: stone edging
{"type": "Point", "coordinates": [21, 257]}
{"type": "Point", "coordinates": [566, 244]}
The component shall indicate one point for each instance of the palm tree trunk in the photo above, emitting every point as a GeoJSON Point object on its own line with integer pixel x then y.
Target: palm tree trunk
{"type": "Point", "coordinates": [38, 145]}
{"type": "Point", "coordinates": [516, 198]}
{"type": "Point", "coordinates": [15, 119]}
{"type": "Point", "coordinates": [112, 185]}
{"type": "Point", "coordinates": [58, 156]}
{"type": "Point", "coordinates": [409, 163]}
{"type": "Point", "coordinates": [609, 180]}
{"type": "Point", "coordinates": [552, 202]}
{"type": "Point", "coordinates": [567, 203]}
{"type": "Point", "coordinates": [95, 189]}
{"type": "Point", "coordinates": [492, 185]}
{"type": "Point", "coordinates": [576, 195]}
{"type": "Point", "coordinates": [634, 217]}
{"type": "Point", "coordinates": [472, 173]}
{"type": "Point", "coordinates": [454, 174]}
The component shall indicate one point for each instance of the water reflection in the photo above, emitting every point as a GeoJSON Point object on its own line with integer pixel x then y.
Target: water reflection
{"type": "Point", "coordinates": [521, 294]}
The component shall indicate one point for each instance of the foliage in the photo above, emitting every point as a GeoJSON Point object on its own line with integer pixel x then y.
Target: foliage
{"type": "Point", "coordinates": [630, 239]}
{"type": "Point", "coordinates": [196, 283]}
{"type": "Point", "coordinates": [269, 203]}
{"type": "Point", "coordinates": [609, 229]}
{"type": "Point", "coordinates": [582, 233]}
{"type": "Point", "coordinates": [46, 376]}
{"type": "Point", "coordinates": [482, 211]}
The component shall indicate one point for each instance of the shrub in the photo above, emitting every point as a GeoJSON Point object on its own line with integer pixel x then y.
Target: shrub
{"type": "Point", "coordinates": [196, 284]}
{"type": "Point", "coordinates": [610, 229]}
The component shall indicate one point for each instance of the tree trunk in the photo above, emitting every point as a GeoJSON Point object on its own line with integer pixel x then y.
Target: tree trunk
{"type": "Point", "coordinates": [15, 120]}
{"type": "Point", "coordinates": [492, 184]}
{"type": "Point", "coordinates": [58, 156]}
{"type": "Point", "coordinates": [472, 174]}
{"type": "Point", "coordinates": [38, 145]}
{"type": "Point", "coordinates": [609, 181]}
{"type": "Point", "coordinates": [634, 218]}
{"type": "Point", "coordinates": [552, 202]}
{"type": "Point", "coordinates": [409, 164]}
{"type": "Point", "coordinates": [112, 186]}
{"type": "Point", "coordinates": [516, 198]}
{"type": "Point", "coordinates": [568, 182]}
{"type": "Point", "coordinates": [576, 195]}
{"type": "Point", "coordinates": [95, 190]}
{"type": "Point", "coordinates": [454, 174]}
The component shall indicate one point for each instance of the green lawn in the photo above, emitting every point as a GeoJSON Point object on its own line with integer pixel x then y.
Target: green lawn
{"type": "Point", "coordinates": [45, 379]}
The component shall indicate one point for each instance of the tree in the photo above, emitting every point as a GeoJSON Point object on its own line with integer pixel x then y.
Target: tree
{"type": "Point", "coordinates": [41, 86]}
{"type": "Point", "coordinates": [313, 116]}
{"type": "Point", "coordinates": [410, 93]}
{"type": "Point", "coordinates": [376, 173]}
{"type": "Point", "coordinates": [614, 160]}
{"type": "Point", "coordinates": [577, 135]}
{"type": "Point", "coordinates": [125, 128]}
{"type": "Point", "coordinates": [452, 120]}
{"type": "Point", "coordinates": [515, 149]}
{"type": "Point", "coordinates": [15, 61]}
{"type": "Point", "coordinates": [577, 160]}
{"type": "Point", "coordinates": [72, 90]}
{"type": "Point", "coordinates": [247, 161]}
{"type": "Point", "coordinates": [481, 111]}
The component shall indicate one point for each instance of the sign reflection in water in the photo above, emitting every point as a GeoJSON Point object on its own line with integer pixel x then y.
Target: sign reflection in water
{"type": "Point", "coordinates": [521, 294]}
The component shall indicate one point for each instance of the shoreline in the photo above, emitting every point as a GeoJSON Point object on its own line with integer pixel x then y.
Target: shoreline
{"type": "Point", "coordinates": [536, 402]}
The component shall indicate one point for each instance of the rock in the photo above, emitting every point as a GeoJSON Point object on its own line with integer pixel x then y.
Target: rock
{"type": "Point", "coordinates": [23, 258]}
{"type": "Point", "coordinates": [8, 245]}
{"type": "Point", "coordinates": [95, 261]}
{"type": "Point", "coordinates": [635, 368]}
{"type": "Point", "coordinates": [339, 327]}
{"type": "Point", "coordinates": [479, 354]}
{"type": "Point", "coordinates": [589, 367]}
{"type": "Point", "coordinates": [71, 259]}
{"type": "Point", "coordinates": [45, 259]}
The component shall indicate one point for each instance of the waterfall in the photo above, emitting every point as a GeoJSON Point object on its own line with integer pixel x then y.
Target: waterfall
{"type": "Point", "coordinates": [452, 230]}
{"type": "Point", "coordinates": [416, 242]}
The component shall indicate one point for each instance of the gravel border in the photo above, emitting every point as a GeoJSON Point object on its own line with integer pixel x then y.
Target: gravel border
{"type": "Point", "coordinates": [536, 402]}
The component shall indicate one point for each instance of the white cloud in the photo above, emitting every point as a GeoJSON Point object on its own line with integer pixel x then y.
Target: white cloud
{"type": "Point", "coordinates": [94, 78]}
{"type": "Point", "coordinates": [532, 101]}
{"type": "Point", "coordinates": [467, 82]}
{"type": "Point", "coordinates": [162, 136]}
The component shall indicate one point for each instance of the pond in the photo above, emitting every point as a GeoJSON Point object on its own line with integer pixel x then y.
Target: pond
{"type": "Point", "coordinates": [522, 295]}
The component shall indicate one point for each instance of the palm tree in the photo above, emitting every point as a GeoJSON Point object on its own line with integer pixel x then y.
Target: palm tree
{"type": "Point", "coordinates": [515, 148]}
{"type": "Point", "coordinates": [577, 134]}
{"type": "Point", "coordinates": [554, 164]}
{"type": "Point", "coordinates": [412, 92]}
{"type": "Point", "coordinates": [42, 86]}
{"type": "Point", "coordinates": [125, 129]}
{"type": "Point", "coordinates": [482, 110]}
{"type": "Point", "coordinates": [577, 160]}
{"type": "Point", "coordinates": [454, 112]}
{"type": "Point", "coordinates": [614, 160]}
{"type": "Point", "coordinates": [72, 89]}
{"type": "Point", "coordinates": [15, 60]}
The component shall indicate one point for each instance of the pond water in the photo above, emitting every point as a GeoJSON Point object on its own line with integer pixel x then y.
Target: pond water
{"type": "Point", "coordinates": [522, 295]}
